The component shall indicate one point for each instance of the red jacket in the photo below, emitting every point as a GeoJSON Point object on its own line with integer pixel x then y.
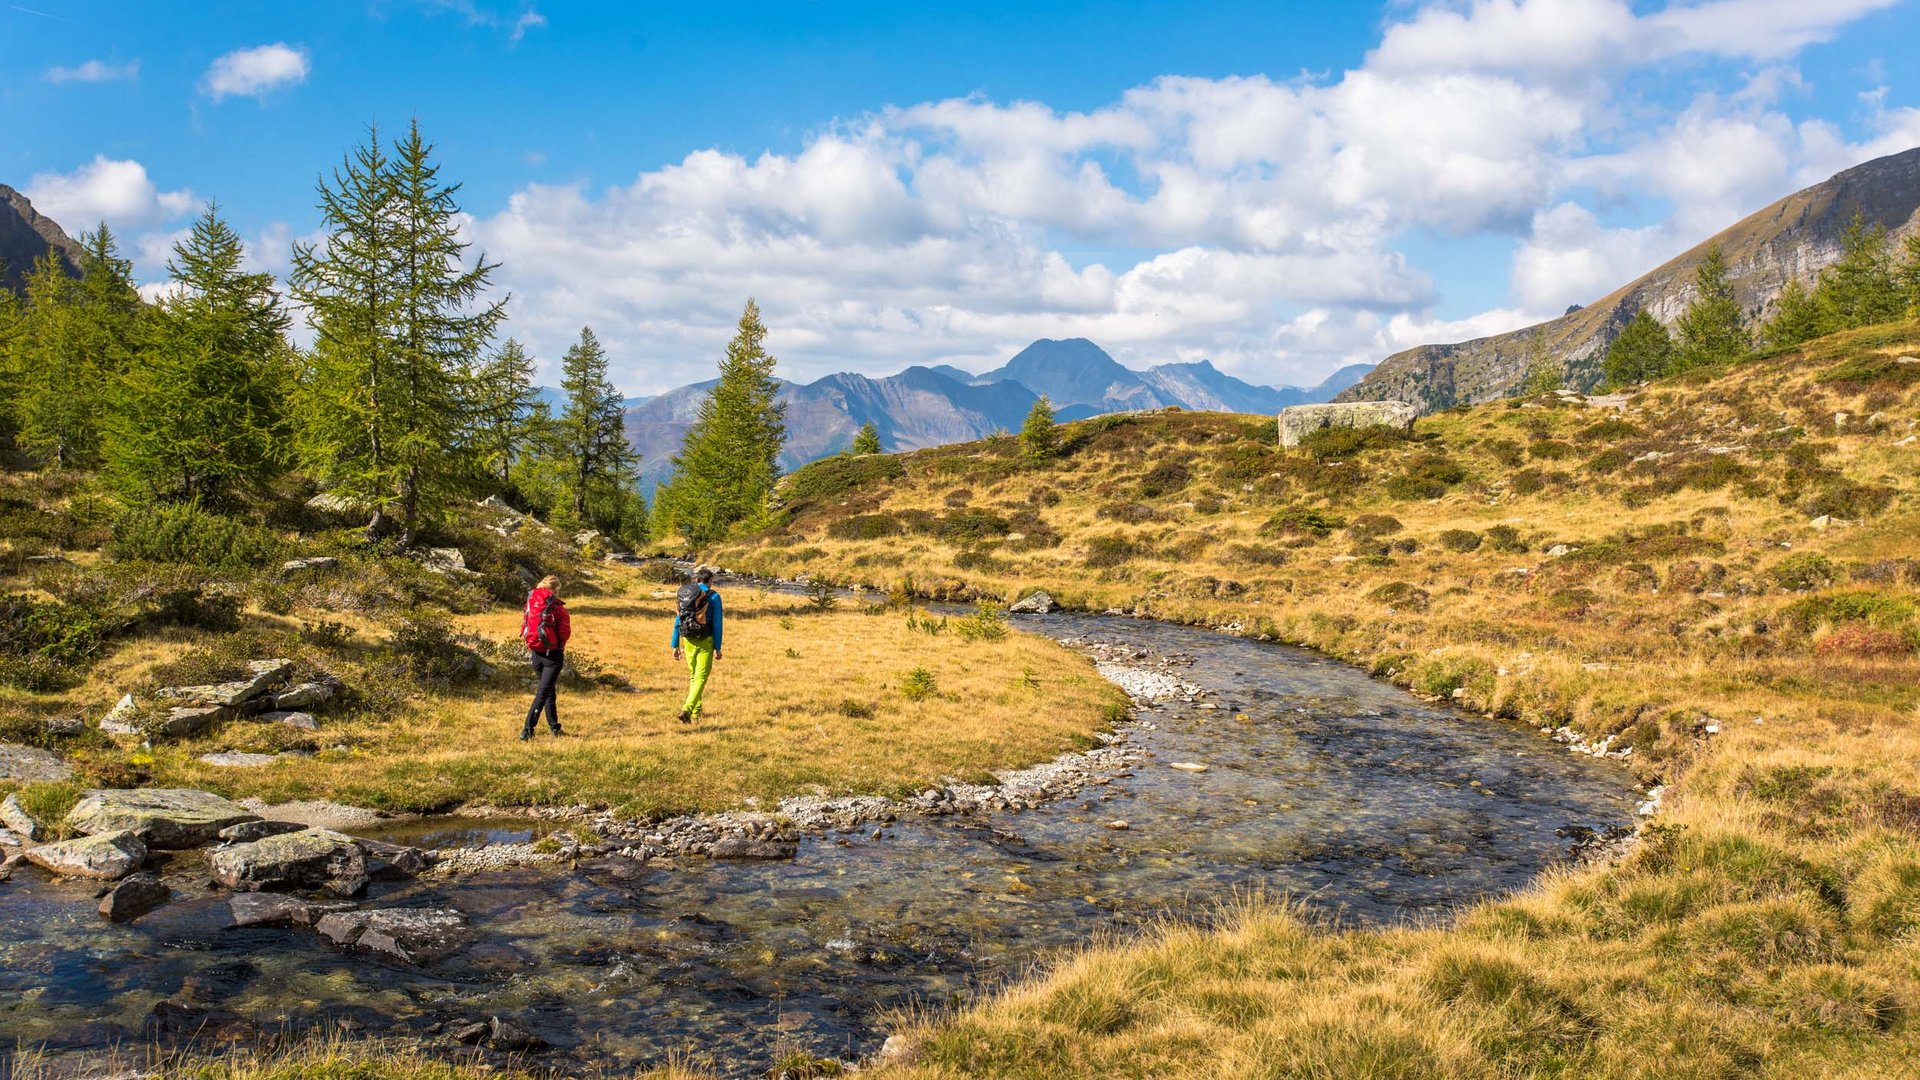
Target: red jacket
{"type": "Point", "coordinates": [529, 620]}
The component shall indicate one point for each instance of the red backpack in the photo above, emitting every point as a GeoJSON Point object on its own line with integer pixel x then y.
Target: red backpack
{"type": "Point", "coordinates": [539, 629]}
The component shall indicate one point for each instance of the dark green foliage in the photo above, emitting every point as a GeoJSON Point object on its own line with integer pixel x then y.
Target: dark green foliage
{"type": "Point", "coordinates": [1861, 287]}
{"type": "Point", "coordinates": [1401, 596]}
{"type": "Point", "coordinates": [508, 415]}
{"type": "Point", "coordinates": [1302, 521]}
{"type": "Point", "coordinates": [1712, 330]}
{"type": "Point", "coordinates": [1847, 500]}
{"type": "Point", "coordinates": [1882, 609]}
{"type": "Point", "coordinates": [72, 340]}
{"type": "Point", "coordinates": [1256, 555]}
{"type": "Point", "coordinates": [730, 459]}
{"type": "Point", "coordinates": [45, 645]}
{"type": "Point", "coordinates": [1114, 550]}
{"type": "Point", "coordinates": [1527, 482]}
{"type": "Point", "coordinates": [1549, 449]}
{"type": "Point", "coordinates": [1166, 478]}
{"type": "Point", "coordinates": [972, 527]}
{"type": "Point", "coordinates": [1611, 430]}
{"type": "Point", "coordinates": [1795, 319]}
{"type": "Point", "coordinates": [1642, 352]}
{"type": "Point", "coordinates": [831, 478]}
{"type": "Point", "coordinates": [1506, 539]}
{"type": "Point", "coordinates": [1804, 571]}
{"type": "Point", "coordinates": [1653, 543]}
{"type": "Point", "coordinates": [1461, 540]}
{"type": "Point", "coordinates": [1427, 476]}
{"type": "Point", "coordinates": [1040, 436]}
{"type": "Point", "coordinates": [590, 442]}
{"type": "Point", "coordinates": [1872, 370]}
{"type": "Point", "coordinates": [187, 534]}
{"type": "Point", "coordinates": [1505, 451]}
{"type": "Point", "coordinates": [866, 440]}
{"type": "Point", "coordinates": [1342, 444]}
{"type": "Point", "coordinates": [1372, 525]}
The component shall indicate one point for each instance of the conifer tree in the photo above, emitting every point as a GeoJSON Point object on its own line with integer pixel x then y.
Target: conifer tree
{"type": "Point", "coordinates": [1039, 435]}
{"type": "Point", "coordinates": [1642, 352]}
{"type": "Point", "coordinates": [200, 410]}
{"type": "Point", "coordinates": [399, 329]}
{"type": "Point", "coordinates": [55, 384]}
{"type": "Point", "coordinates": [509, 417]}
{"type": "Point", "coordinates": [1543, 371]}
{"type": "Point", "coordinates": [11, 318]}
{"type": "Point", "coordinates": [866, 440]}
{"type": "Point", "coordinates": [591, 436]}
{"type": "Point", "coordinates": [1712, 329]}
{"type": "Point", "coordinates": [1910, 273]}
{"type": "Point", "coordinates": [1796, 318]}
{"type": "Point", "coordinates": [730, 459]}
{"type": "Point", "coordinates": [1860, 288]}
{"type": "Point", "coordinates": [109, 302]}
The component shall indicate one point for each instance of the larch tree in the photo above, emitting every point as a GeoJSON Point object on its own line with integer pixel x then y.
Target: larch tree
{"type": "Point", "coordinates": [1861, 287]}
{"type": "Point", "coordinates": [1795, 318]}
{"type": "Point", "coordinates": [1040, 435]}
{"type": "Point", "coordinates": [1712, 330]}
{"type": "Point", "coordinates": [55, 383]}
{"type": "Point", "coordinates": [866, 440]}
{"type": "Point", "coordinates": [200, 412]}
{"type": "Point", "coordinates": [1643, 351]}
{"type": "Point", "coordinates": [399, 328]}
{"type": "Point", "coordinates": [591, 437]}
{"type": "Point", "coordinates": [1543, 370]}
{"type": "Point", "coordinates": [730, 458]}
{"type": "Point", "coordinates": [1910, 273]}
{"type": "Point", "coordinates": [509, 417]}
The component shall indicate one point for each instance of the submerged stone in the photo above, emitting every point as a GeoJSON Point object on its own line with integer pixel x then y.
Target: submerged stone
{"type": "Point", "coordinates": [134, 897]}
{"type": "Point", "coordinates": [107, 856]}
{"type": "Point", "coordinates": [168, 818]}
{"type": "Point", "coordinates": [278, 909]}
{"type": "Point", "coordinates": [413, 935]}
{"type": "Point", "coordinates": [743, 847]}
{"type": "Point", "coordinates": [248, 831]}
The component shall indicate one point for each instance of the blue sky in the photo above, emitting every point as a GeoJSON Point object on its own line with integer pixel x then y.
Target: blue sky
{"type": "Point", "coordinates": [1281, 187]}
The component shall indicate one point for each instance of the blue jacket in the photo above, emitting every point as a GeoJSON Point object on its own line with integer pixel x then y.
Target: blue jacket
{"type": "Point", "coordinates": [713, 613]}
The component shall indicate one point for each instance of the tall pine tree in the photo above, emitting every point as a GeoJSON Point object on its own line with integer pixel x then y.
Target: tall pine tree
{"type": "Point", "coordinates": [730, 459]}
{"type": "Point", "coordinates": [200, 411]}
{"type": "Point", "coordinates": [509, 417]}
{"type": "Point", "coordinates": [591, 437]}
{"type": "Point", "coordinates": [1861, 287]}
{"type": "Point", "coordinates": [866, 440]}
{"type": "Point", "coordinates": [1910, 273]}
{"type": "Point", "coordinates": [1712, 329]}
{"type": "Point", "coordinates": [1795, 318]}
{"type": "Point", "coordinates": [1643, 352]}
{"type": "Point", "coordinates": [1040, 436]}
{"type": "Point", "coordinates": [1543, 371]}
{"type": "Point", "coordinates": [399, 329]}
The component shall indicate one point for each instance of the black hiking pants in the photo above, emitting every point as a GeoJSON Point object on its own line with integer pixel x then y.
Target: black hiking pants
{"type": "Point", "coordinates": [546, 677]}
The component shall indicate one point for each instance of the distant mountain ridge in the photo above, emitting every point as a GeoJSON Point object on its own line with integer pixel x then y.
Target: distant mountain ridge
{"type": "Point", "coordinates": [932, 406]}
{"type": "Point", "coordinates": [25, 235]}
{"type": "Point", "coordinates": [1795, 237]}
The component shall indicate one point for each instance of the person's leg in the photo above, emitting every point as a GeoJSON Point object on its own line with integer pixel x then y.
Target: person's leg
{"type": "Point", "coordinates": [555, 665]}
{"type": "Point", "coordinates": [546, 672]}
{"type": "Point", "coordinates": [699, 666]}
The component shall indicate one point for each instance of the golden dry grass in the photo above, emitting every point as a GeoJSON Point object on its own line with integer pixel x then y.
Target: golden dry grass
{"type": "Point", "coordinates": [803, 702]}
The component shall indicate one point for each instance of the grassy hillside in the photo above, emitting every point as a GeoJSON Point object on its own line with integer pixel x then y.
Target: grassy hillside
{"type": "Point", "coordinates": [1722, 576]}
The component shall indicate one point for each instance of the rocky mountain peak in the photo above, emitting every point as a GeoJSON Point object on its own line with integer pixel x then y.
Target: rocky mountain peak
{"type": "Point", "coordinates": [25, 235]}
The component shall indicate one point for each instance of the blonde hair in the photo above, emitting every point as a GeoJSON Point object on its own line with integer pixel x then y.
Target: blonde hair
{"type": "Point", "coordinates": [549, 583]}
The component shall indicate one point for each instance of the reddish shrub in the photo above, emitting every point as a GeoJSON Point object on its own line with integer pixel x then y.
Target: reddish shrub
{"type": "Point", "coordinates": [1857, 640]}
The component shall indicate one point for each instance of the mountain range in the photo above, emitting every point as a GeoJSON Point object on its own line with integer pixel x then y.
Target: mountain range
{"type": "Point", "coordinates": [25, 235]}
{"type": "Point", "coordinates": [931, 406]}
{"type": "Point", "coordinates": [1795, 237]}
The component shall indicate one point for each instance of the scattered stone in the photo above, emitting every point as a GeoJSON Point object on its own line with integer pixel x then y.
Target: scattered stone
{"type": "Point", "coordinates": [63, 727]}
{"type": "Point", "coordinates": [1188, 766]}
{"type": "Point", "coordinates": [329, 503]}
{"type": "Point", "coordinates": [263, 674]}
{"type": "Point", "coordinates": [248, 831]}
{"type": "Point", "coordinates": [9, 838]}
{"type": "Point", "coordinates": [316, 813]}
{"type": "Point", "coordinates": [413, 935]}
{"type": "Point", "coordinates": [1119, 826]}
{"type": "Point", "coordinates": [172, 1021]}
{"type": "Point", "coordinates": [184, 721]}
{"type": "Point", "coordinates": [29, 764]}
{"type": "Point", "coordinates": [292, 718]}
{"type": "Point", "coordinates": [444, 560]}
{"type": "Point", "coordinates": [1035, 603]}
{"type": "Point", "coordinates": [14, 816]}
{"type": "Point", "coordinates": [899, 1051]}
{"type": "Point", "coordinates": [1299, 421]}
{"type": "Point", "coordinates": [48, 560]}
{"type": "Point", "coordinates": [1822, 522]}
{"type": "Point", "coordinates": [1906, 359]}
{"type": "Point", "coordinates": [134, 897]}
{"type": "Point", "coordinates": [122, 719]}
{"type": "Point", "coordinates": [278, 909]}
{"type": "Point", "coordinates": [107, 856]}
{"type": "Point", "coordinates": [303, 696]}
{"type": "Point", "coordinates": [310, 858]}
{"type": "Point", "coordinates": [308, 564]}
{"type": "Point", "coordinates": [1558, 551]}
{"type": "Point", "coordinates": [505, 1034]}
{"type": "Point", "coordinates": [393, 861]}
{"type": "Point", "coordinates": [743, 847]}
{"type": "Point", "coordinates": [233, 759]}
{"type": "Point", "coordinates": [170, 819]}
{"type": "Point", "coordinates": [470, 1034]}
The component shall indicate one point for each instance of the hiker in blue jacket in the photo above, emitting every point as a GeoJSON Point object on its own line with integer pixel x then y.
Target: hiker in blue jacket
{"type": "Point", "coordinates": [696, 636]}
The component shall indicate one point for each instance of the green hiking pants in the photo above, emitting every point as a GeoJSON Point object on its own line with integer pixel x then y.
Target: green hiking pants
{"type": "Point", "coordinates": [699, 653]}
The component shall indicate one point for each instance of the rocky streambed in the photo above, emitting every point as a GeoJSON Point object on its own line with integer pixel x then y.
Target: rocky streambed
{"type": "Point", "coordinates": [591, 943]}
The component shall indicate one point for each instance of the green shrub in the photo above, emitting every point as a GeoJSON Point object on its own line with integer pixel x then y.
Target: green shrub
{"type": "Point", "coordinates": [46, 645]}
{"type": "Point", "coordinates": [918, 684]}
{"type": "Point", "coordinates": [1302, 521]}
{"type": "Point", "coordinates": [1166, 478]}
{"type": "Point", "coordinates": [1506, 452]}
{"type": "Point", "coordinates": [1401, 596]}
{"type": "Point", "coordinates": [831, 478]}
{"type": "Point", "coordinates": [1372, 525]}
{"type": "Point", "coordinates": [1609, 431]}
{"type": "Point", "coordinates": [1847, 500]}
{"type": "Point", "coordinates": [187, 534]}
{"type": "Point", "coordinates": [1803, 571]}
{"type": "Point", "coordinates": [865, 527]}
{"type": "Point", "coordinates": [972, 527]}
{"type": "Point", "coordinates": [1549, 450]}
{"type": "Point", "coordinates": [1340, 444]}
{"type": "Point", "coordinates": [1462, 540]}
{"type": "Point", "coordinates": [987, 623]}
{"type": "Point", "coordinates": [1256, 555]}
{"type": "Point", "coordinates": [1505, 538]}
{"type": "Point", "coordinates": [1114, 550]}
{"type": "Point", "coordinates": [1428, 476]}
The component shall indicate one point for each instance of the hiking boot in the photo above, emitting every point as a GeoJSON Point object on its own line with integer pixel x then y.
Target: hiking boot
{"type": "Point", "coordinates": [526, 734]}
{"type": "Point", "coordinates": [557, 732]}
{"type": "Point", "coordinates": [686, 717]}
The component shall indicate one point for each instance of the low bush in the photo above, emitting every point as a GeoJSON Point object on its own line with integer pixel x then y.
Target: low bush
{"type": "Point", "coordinates": [1372, 525]}
{"type": "Point", "coordinates": [1257, 555]}
{"type": "Point", "coordinates": [972, 527]}
{"type": "Point", "coordinates": [918, 685]}
{"type": "Point", "coordinates": [1166, 478]}
{"type": "Point", "coordinates": [1401, 596]}
{"type": "Point", "coordinates": [987, 623]}
{"type": "Point", "coordinates": [1302, 521]}
{"type": "Point", "coordinates": [1340, 444]}
{"type": "Point", "coordinates": [1428, 476]}
{"type": "Point", "coordinates": [834, 477]}
{"type": "Point", "coordinates": [1506, 539]}
{"type": "Point", "coordinates": [1803, 571]}
{"type": "Point", "coordinates": [1114, 550]}
{"type": "Point", "coordinates": [1461, 540]}
{"type": "Point", "coordinates": [865, 527]}
{"type": "Point", "coordinates": [187, 534]}
{"type": "Point", "coordinates": [1506, 452]}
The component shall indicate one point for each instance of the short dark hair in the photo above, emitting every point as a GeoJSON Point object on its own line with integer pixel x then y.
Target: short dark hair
{"type": "Point", "coordinates": [703, 575]}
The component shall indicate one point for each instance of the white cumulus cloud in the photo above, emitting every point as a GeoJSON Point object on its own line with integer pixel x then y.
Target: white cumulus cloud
{"type": "Point", "coordinates": [256, 71]}
{"type": "Point", "coordinates": [94, 71]}
{"type": "Point", "coordinates": [117, 192]}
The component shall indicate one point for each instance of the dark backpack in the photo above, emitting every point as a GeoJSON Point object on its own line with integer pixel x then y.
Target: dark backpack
{"type": "Point", "coordinates": [696, 611]}
{"type": "Point", "coordinates": [539, 631]}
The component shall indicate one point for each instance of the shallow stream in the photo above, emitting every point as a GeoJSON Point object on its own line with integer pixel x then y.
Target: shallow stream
{"type": "Point", "coordinates": [1321, 784]}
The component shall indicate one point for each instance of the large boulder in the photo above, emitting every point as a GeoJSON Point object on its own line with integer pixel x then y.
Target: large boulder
{"type": "Point", "coordinates": [168, 818]}
{"type": "Point", "coordinates": [184, 721]}
{"type": "Point", "coordinates": [107, 856]}
{"type": "Point", "coordinates": [1038, 602]}
{"type": "Point", "coordinates": [1299, 421]}
{"type": "Point", "coordinates": [304, 695]}
{"type": "Point", "coordinates": [262, 675]}
{"type": "Point", "coordinates": [134, 897]}
{"type": "Point", "coordinates": [27, 764]}
{"type": "Point", "coordinates": [308, 859]}
{"type": "Point", "coordinates": [414, 935]}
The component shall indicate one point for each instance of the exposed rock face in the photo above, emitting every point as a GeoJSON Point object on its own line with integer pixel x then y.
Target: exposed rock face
{"type": "Point", "coordinates": [107, 856]}
{"type": "Point", "coordinates": [1298, 422]}
{"type": "Point", "coordinates": [414, 935]}
{"type": "Point", "coordinates": [308, 859]}
{"type": "Point", "coordinates": [304, 695]}
{"type": "Point", "coordinates": [168, 818]}
{"type": "Point", "coordinates": [134, 897]}
{"type": "Point", "coordinates": [28, 764]}
{"type": "Point", "coordinates": [26, 235]}
{"type": "Point", "coordinates": [292, 718]}
{"type": "Point", "coordinates": [263, 674]}
{"type": "Point", "coordinates": [1034, 603]}
{"type": "Point", "coordinates": [310, 564]}
{"type": "Point", "coordinates": [1794, 238]}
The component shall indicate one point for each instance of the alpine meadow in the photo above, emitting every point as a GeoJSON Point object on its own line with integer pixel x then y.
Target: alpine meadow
{"type": "Point", "coordinates": [1216, 541]}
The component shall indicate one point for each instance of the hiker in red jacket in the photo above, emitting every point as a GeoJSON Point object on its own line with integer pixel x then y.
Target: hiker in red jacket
{"type": "Point", "coordinates": [545, 628]}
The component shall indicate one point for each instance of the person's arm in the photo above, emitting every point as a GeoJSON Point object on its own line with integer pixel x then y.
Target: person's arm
{"type": "Point", "coordinates": [718, 614]}
{"type": "Point", "coordinates": [562, 622]}
{"type": "Point", "coordinates": [676, 633]}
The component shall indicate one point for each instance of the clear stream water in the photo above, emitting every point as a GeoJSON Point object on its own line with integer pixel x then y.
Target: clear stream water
{"type": "Point", "coordinates": [1337, 789]}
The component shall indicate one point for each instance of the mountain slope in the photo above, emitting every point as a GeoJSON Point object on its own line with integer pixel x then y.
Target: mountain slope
{"type": "Point", "coordinates": [1078, 372]}
{"type": "Point", "coordinates": [1794, 237]}
{"type": "Point", "coordinates": [25, 235]}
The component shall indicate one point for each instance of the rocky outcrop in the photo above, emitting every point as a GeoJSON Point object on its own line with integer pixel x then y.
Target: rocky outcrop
{"type": "Point", "coordinates": [308, 859]}
{"type": "Point", "coordinates": [25, 236]}
{"type": "Point", "coordinates": [166, 818]}
{"type": "Point", "coordinates": [262, 676]}
{"type": "Point", "coordinates": [1794, 238]}
{"type": "Point", "coordinates": [107, 856]}
{"type": "Point", "coordinates": [27, 764]}
{"type": "Point", "coordinates": [1298, 422]}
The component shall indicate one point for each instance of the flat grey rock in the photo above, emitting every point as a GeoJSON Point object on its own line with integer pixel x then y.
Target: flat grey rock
{"type": "Point", "coordinates": [304, 695]}
{"type": "Point", "coordinates": [123, 718]}
{"type": "Point", "coordinates": [312, 563]}
{"type": "Point", "coordinates": [279, 909]}
{"type": "Point", "coordinates": [308, 859]}
{"type": "Point", "coordinates": [107, 856]}
{"type": "Point", "coordinates": [63, 727]}
{"type": "Point", "coordinates": [741, 847]}
{"type": "Point", "coordinates": [1035, 603]}
{"type": "Point", "coordinates": [292, 718]}
{"type": "Point", "coordinates": [248, 831]}
{"type": "Point", "coordinates": [233, 759]}
{"type": "Point", "coordinates": [9, 838]}
{"type": "Point", "coordinates": [134, 897]}
{"type": "Point", "coordinates": [169, 818]}
{"type": "Point", "coordinates": [413, 935]}
{"type": "Point", "coordinates": [262, 674]}
{"type": "Point", "coordinates": [185, 721]}
{"type": "Point", "coordinates": [30, 764]}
